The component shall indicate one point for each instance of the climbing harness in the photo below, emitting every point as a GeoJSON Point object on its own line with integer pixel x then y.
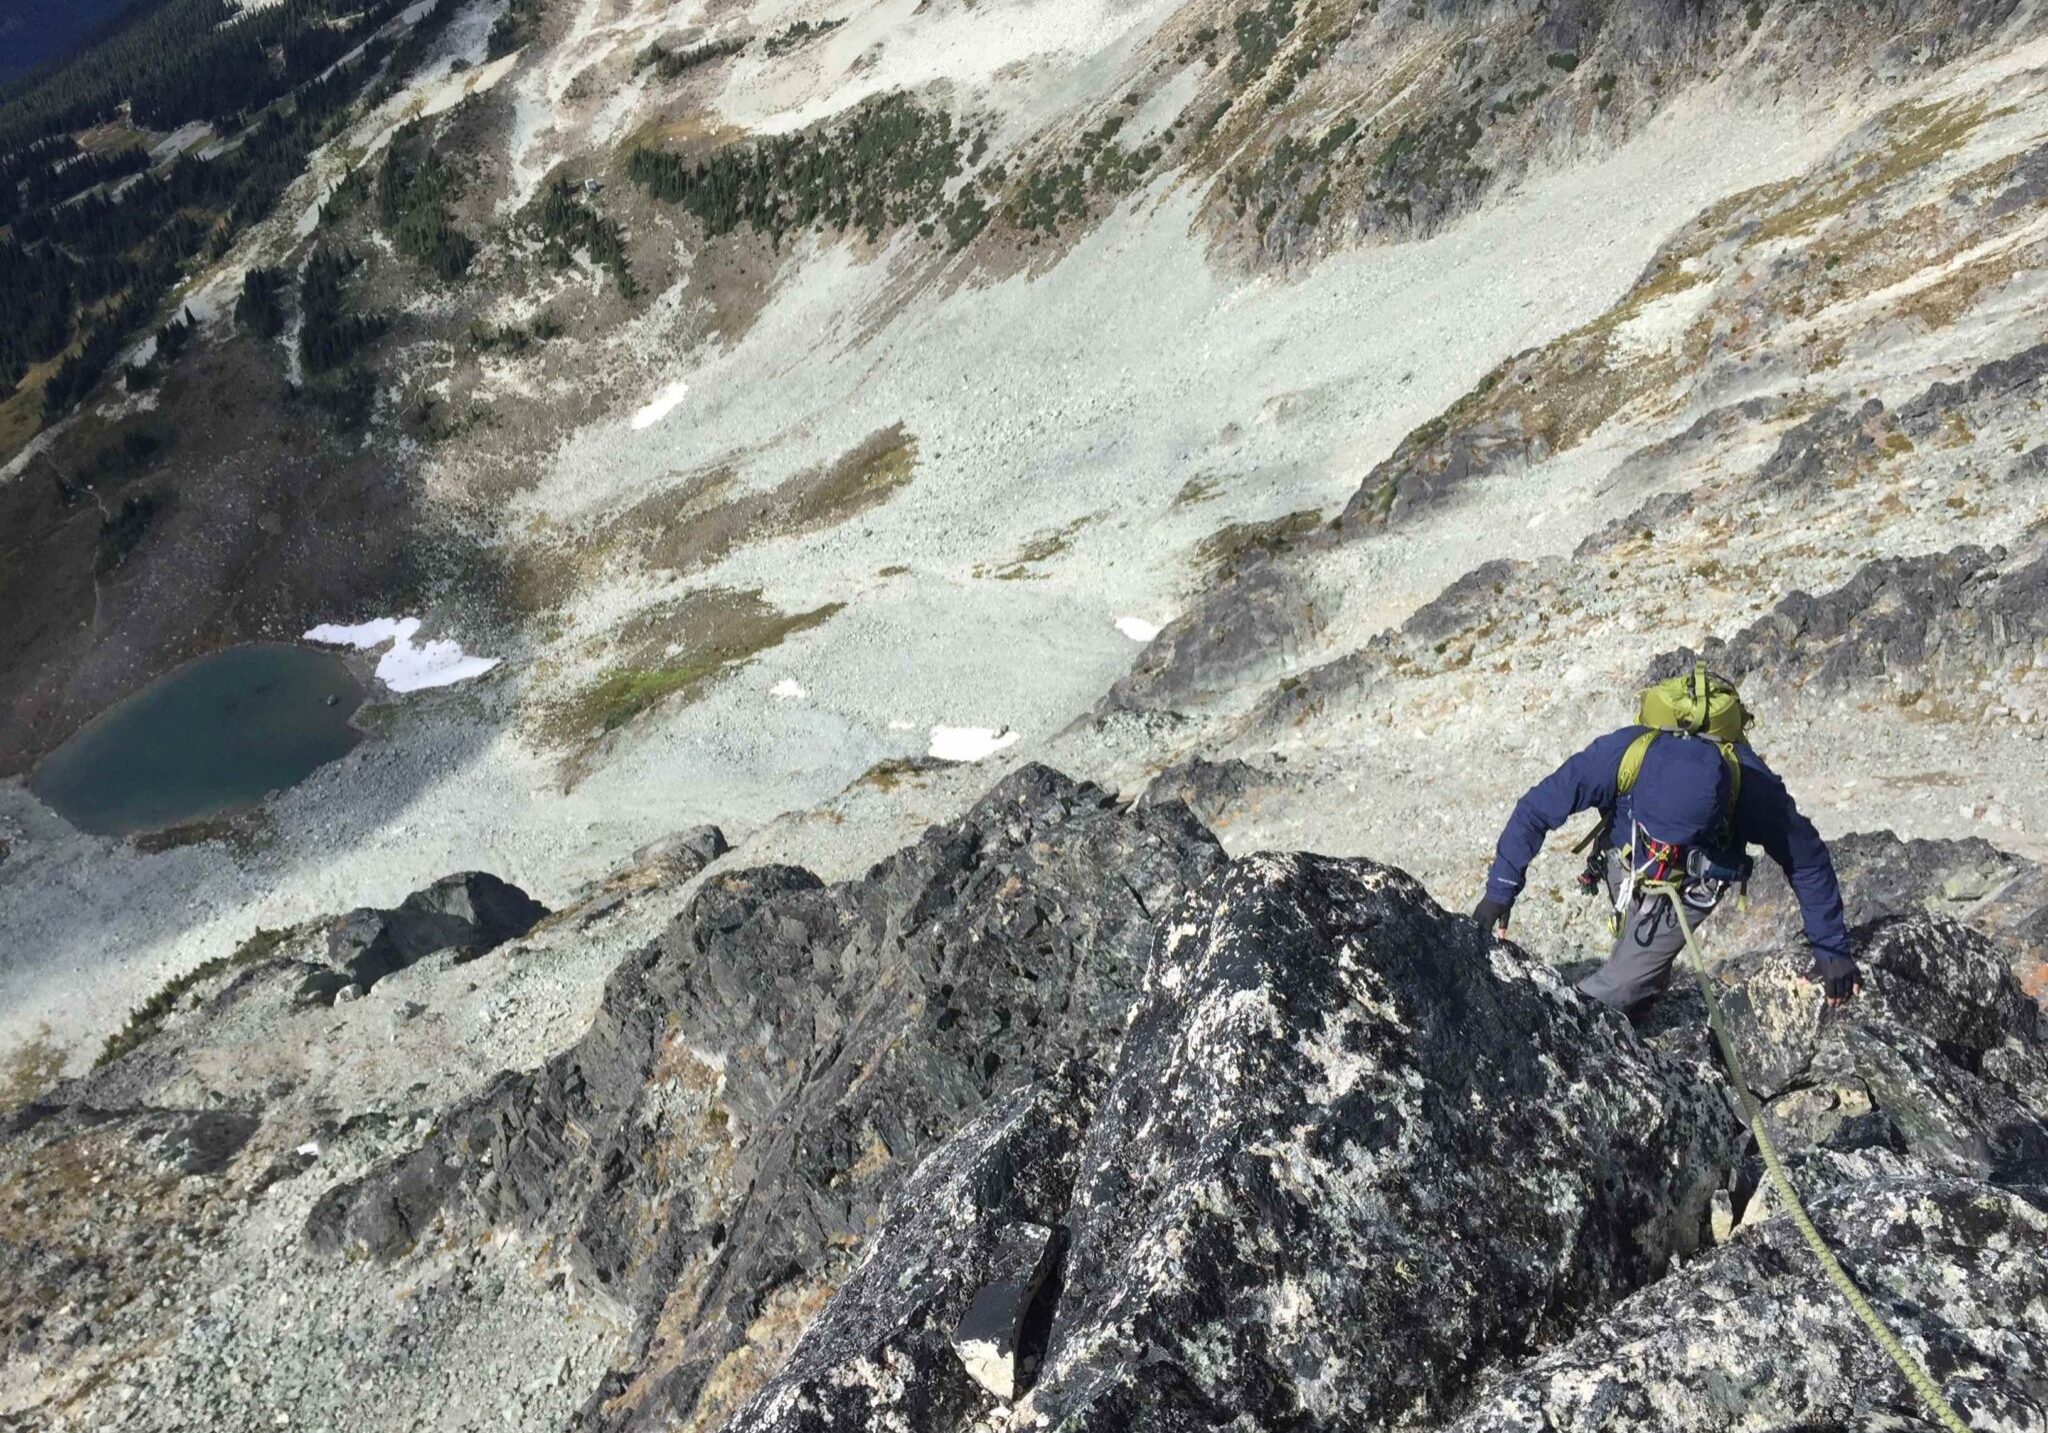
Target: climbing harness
{"type": "Point", "coordinates": [1930, 1392]}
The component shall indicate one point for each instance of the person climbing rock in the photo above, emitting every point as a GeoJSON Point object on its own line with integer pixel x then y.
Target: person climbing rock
{"type": "Point", "coordinates": [1682, 797]}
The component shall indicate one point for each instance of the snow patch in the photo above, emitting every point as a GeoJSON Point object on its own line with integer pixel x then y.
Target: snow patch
{"type": "Point", "coordinates": [408, 666]}
{"type": "Point", "coordinates": [1137, 628]}
{"type": "Point", "coordinates": [661, 405]}
{"type": "Point", "coordinates": [787, 690]}
{"type": "Point", "coordinates": [969, 743]}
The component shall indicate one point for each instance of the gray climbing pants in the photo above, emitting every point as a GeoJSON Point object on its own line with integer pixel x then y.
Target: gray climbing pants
{"type": "Point", "coordinates": [1648, 944]}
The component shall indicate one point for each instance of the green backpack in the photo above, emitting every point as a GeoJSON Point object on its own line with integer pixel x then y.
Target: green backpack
{"type": "Point", "coordinates": [1697, 704]}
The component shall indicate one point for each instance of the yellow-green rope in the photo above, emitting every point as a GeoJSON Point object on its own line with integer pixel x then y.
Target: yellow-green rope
{"type": "Point", "coordinates": [1929, 1391]}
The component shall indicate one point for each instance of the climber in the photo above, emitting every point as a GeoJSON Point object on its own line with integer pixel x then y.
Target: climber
{"type": "Point", "coordinates": [1680, 800]}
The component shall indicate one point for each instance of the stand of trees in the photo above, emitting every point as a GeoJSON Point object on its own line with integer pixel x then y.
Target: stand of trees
{"type": "Point", "coordinates": [513, 28]}
{"type": "Point", "coordinates": [36, 300]}
{"type": "Point", "coordinates": [82, 273]}
{"type": "Point", "coordinates": [259, 309]}
{"type": "Point", "coordinates": [670, 64]}
{"type": "Point", "coordinates": [568, 224]}
{"type": "Point", "coordinates": [331, 332]}
{"type": "Point", "coordinates": [413, 190]}
{"type": "Point", "coordinates": [57, 182]}
{"type": "Point", "coordinates": [884, 165]}
{"type": "Point", "coordinates": [190, 60]}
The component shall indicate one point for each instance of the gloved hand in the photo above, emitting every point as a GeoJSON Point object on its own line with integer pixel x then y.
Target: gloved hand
{"type": "Point", "coordinates": [1593, 874]}
{"type": "Point", "coordinates": [1840, 980]}
{"type": "Point", "coordinates": [1492, 916]}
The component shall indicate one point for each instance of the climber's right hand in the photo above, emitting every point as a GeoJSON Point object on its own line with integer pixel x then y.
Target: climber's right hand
{"type": "Point", "coordinates": [1840, 980]}
{"type": "Point", "coordinates": [1492, 915]}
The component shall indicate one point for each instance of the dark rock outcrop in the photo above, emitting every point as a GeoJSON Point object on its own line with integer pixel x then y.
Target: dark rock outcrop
{"type": "Point", "coordinates": [1933, 624]}
{"type": "Point", "coordinates": [1290, 1208]}
{"type": "Point", "coordinates": [1940, 1058]}
{"type": "Point", "coordinates": [715, 1150]}
{"type": "Point", "coordinates": [470, 913]}
{"type": "Point", "coordinates": [689, 851]}
{"type": "Point", "coordinates": [203, 1141]}
{"type": "Point", "coordinates": [1841, 438]}
{"type": "Point", "coordinates": [1214, 790]}
{"type": "Point", "coordinates": [1882, 876]}
{"type": "Point", "coordinates": [1299, 1140]}
{"type": "Point", "coordinates": [1253, 621]}
{"type": "Point", "coordinates": [1443, 455]}
{"type": "Point", "coordinates": [882, 1353]}
{"type": "Point", "coordinates": [1357, 1166]}
{"type": "Point", "coordinates": [1483, 606]}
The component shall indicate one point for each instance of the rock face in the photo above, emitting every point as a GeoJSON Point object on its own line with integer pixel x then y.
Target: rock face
{"type": "Point", "coordinates": [1883, 876]}
{"type": "Point", "coordinates": [1060, 1120]}
{"type": "Point", "coordinates": [758, 1080]}
{"type": "Point", "coordinates": [1286, 1210]}
{"type": "Point", "coordinates": [991, 1333]}
{"type": "Point", "coordinates": [1939, 621]}
{"type": "Point", "coordinates": [1290, 1173]}
{"type": "Point", "coordinates": [1943, 1059]}
{"type": "Point", "coordinates": [1216, 791]}
{"type": "Point", "coordinates": [1752, 1336]}
{"type": "Point", "coordinates": [1355, 1165]}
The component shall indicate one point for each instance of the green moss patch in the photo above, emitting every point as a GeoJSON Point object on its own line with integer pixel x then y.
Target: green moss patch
{"type": "Point", "coordinates": [679, 650]}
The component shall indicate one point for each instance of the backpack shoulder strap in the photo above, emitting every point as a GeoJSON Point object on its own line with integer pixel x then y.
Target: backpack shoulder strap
{"type": "Point", "coordinates": [1734, 759]}
{"type": "Point", "coordinates": [1632, 762]}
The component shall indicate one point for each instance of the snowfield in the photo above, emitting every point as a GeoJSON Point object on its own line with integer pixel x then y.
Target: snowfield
{"type": "Point", "coordinates": [406, 666]}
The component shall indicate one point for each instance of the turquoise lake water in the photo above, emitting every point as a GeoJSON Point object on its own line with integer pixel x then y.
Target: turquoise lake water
{"type": "Point", "coordinates": [211, 737]}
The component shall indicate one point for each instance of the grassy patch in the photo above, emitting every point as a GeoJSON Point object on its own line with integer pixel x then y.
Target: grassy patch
{"type": "Point", "coordinates": [21, 414]}
{"type": "Point", "coordinates": [704, 518]}
{"type": "Point", "coordinates": [1920, 134]}
{"type": "Point", "coordinates": [678, 650]}
{"type": "Point", "coordinates": [894, 771]}
{"type": "Point", "coordinates": [149, 1016]}
{"type": "Point", "coordinates": [1201, 488]}
{"type": "Point", "coordinates": [1229, 548]}
{"type": "Point", "coordinates": [872, 470]}
{"type": "Point", "coordinates": [1038, 549]}
{"type": "Point", "coordinates": [624, 695]}
{"type": "Point", "coordinates": [244, 830]}
{"type": "Point", "coordinates": [31, 1068]}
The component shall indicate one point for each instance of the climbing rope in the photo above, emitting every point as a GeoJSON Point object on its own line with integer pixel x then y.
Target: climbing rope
{"type": "Point", "coordinates": [1929, 1391]}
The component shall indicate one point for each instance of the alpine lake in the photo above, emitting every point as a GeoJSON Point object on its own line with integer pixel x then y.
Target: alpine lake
{"type": "Point", "coordinates": [204, 740]}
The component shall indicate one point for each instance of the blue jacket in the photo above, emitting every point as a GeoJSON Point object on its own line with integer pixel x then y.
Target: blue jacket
{"type": "Point", "coordinates": [1765, 815]}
